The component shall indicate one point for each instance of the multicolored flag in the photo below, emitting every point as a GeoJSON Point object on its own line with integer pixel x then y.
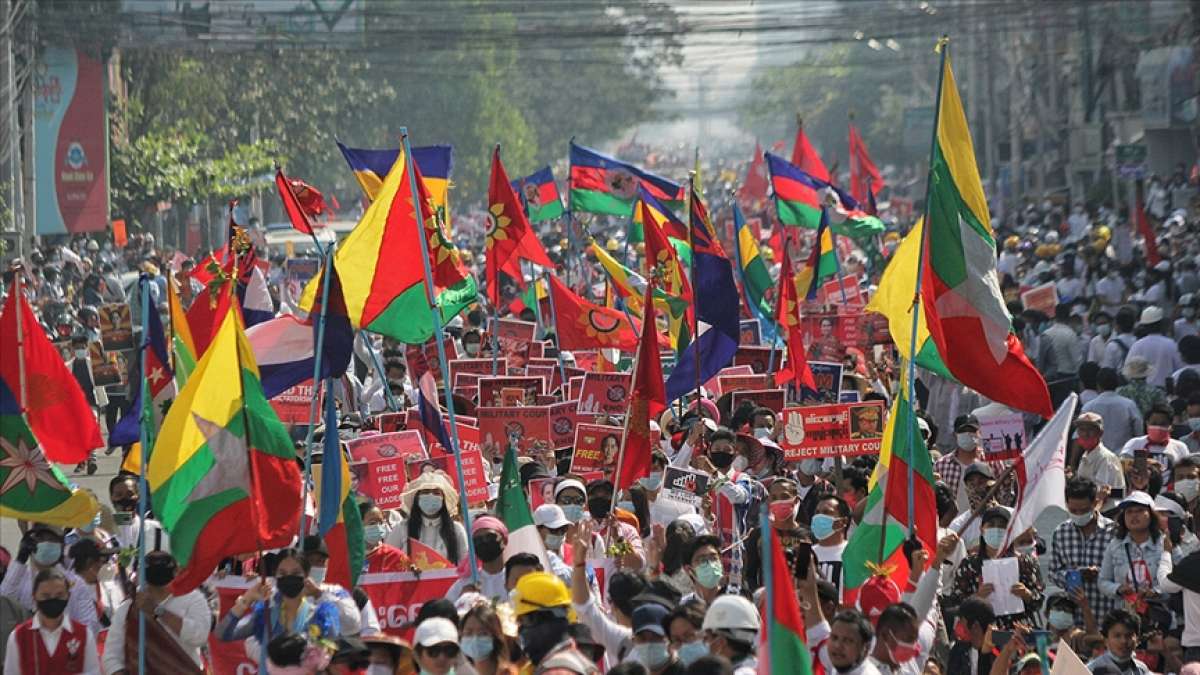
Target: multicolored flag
{"type": "Point", "coordinates": [631, 286]}
{"type": "Point", "coordinates": [430, 412]}
{"type": "Point", "coordinates": [646, 402]}
{"type": "Point", "coordinates": [49, 396]}
{"type": "Point", "coordinates": [787, 316]}
{"type": "Point", "coordinates": [605, 185]}
{"type": "Point", "coordinates": [435, 162]}
{"type": "Point", "coordinates": [964, 308]}
{"type": "Point", "coordinates": [756, 279]}
{"type": "Point", "coordinates": [783, 636]}
{"type": "Point", "coordinates": [660, 254]}
{"type": "Point", "coordinates": [797, 199]}
{"type": "Point", "coordinates": [650, 208]}
{"type": "Point", "coordinates": [513, 508]}
{"type": "Point", "coordinates": [864, 175]}
{"type": "Point", "coordinates": [339, 522]}
{"type": "Point", "coordinates": [183, 346]}
{"type": "Point", "coordinates": [160, 384]}
{"type": "Point", "coordinates": [822, 260]}
{"type": "Point", "coordinates": [539, 194]}
{"type": "Point", "coordinates": [586, 325]}
{"type": "Point", "coordinates": [509, 233]}
{"type": "Point", "coordinates": [223, 476]}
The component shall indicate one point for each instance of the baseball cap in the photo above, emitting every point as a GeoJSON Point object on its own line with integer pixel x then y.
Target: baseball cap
{"type": "Point", "coordinates": [964, 422]}
{"type": "Point", "coordinates": [1090, 419]}
{"type": "Point", "coordinates": [649, 617]}
{"type": "Point", "coordinates": [550, 516]}
{"type": "Point", "coordinates": [980, 468]}
{"type": "Point", "coordinates": [435, 631]}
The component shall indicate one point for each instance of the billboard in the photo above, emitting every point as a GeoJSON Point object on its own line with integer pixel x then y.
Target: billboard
{"type": "Point", "coordinates": [70, 143]}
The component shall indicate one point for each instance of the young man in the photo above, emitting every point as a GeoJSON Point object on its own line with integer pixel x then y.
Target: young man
{"type": "Point", "coordinates": [970, 633]}
{"type": "Point", "coordinates": [966, 437]}
{"type": "Point", "coordinates": [829, 527]}
{"type": "Point", "coordinates": [1121, 631]}
{"type": "Point", "coordinates": [1077, 545]}
{"type": "Point", "coordinates": [1160, 351]}
{"type": "Point", "coordinates": [731, 627]}
{"type": "Point", "coordinates": [1157, 442]}
{"type": "Point", "coordinates": [1119, 345]}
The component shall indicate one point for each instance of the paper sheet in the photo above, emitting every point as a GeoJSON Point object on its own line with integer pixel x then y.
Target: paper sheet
{"type": "Point", "coordinates": [1003, 574]}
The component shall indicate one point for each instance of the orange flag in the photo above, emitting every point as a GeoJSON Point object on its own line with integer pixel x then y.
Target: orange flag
{"type": "Point", "coordinates": [584, 325]}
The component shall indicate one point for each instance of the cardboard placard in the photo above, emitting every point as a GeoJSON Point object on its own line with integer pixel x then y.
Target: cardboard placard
{"type": "Point", "coordinates": [377, 462]}
{"type": "Point", "coordinates": [751, 332]}
{"type": "Point", "coordinates": [108, 367]}
{"type": "Point", "coordinates": [596, 447]}
{"type": "Point", "coordinates": [844, 292]}
{"type": "Point", "coordinates": [605, 393]}
{"type": "Point", "coordinates": [395, 445]}
{"type": "Point", "coordinates": [837, 430]}
{"type": "Point", "coordinates": [849, 397]}
{"type": "Point", "coordinates": [293, 405]}
{"type": "Point", "coordinates": [422, 358]}
{"type": "Point", "coordinates": [544, 372]}
{"type": "Point", "coordinates": [476, 366]}
{"type": "Point", "coordinates": [491, 389]}
{"type": "Point", "coordinates": [575, 388]}
{"type": "Point", "coordinates": [522, 426]}
{"type": "Point", "coordinates": [513, 396]}
{"type": "Point", "coordinates": [466, 380]}
{"type": "Point", "coordinates": [116, 327]}
{"type": "Point", "coordinates": [541, 490]}
{"type": "Point", "coordinates": [392, 421]}
{"type": "Point", "coordinates": [473, 470]}
{"type": "Point", "coordinates": [1043, 298]}
{"type": "Point", "coordinates": [768, 398]}
{"type": "Point", "coordinates": [828, 377]}
{"type": "Point", "coordinates": [827, 335]}
{"type": "Point", "coordinates": [755, 356]}
{"type": "Point", "coordinates": [684, 486]}
{"type": "Point", "coordinates": [563, 420]}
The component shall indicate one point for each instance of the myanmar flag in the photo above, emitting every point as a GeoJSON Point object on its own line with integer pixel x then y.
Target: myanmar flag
{"type": "Point", "coordinates": [183, 346]}
{"type": "Point", "coordinates": [784, 634]}
{"type": "Point", "coordinates": [31, 488]}
{"type": "Point", "coordinates": [964, 308]}
{"type": "Point", "coordinates": [223, 476]}
{"type": "Point", "coordinates": [606, 185]}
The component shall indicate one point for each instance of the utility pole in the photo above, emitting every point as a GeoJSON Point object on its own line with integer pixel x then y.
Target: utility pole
{"type": "Point", "coordinates": [1016, 180]}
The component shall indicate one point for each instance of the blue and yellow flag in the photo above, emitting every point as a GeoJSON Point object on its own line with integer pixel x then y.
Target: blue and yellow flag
{"type": "Point", "coordinates": [435, 163]}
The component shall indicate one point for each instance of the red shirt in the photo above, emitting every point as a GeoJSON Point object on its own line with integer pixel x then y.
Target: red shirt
{"type": "Point", "coordinates": [385, 558]}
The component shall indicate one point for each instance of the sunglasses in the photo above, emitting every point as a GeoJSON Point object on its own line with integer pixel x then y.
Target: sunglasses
{"type": "Point", "coordinates": [446, 649]}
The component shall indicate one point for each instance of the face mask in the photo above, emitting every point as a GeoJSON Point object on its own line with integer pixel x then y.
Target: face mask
{"type": "Point", "coordinates": [317, 574]}
{"type": "Point", "coordinates": [904, 652]}
{"type": "Point", "coordinates": [740, 463]}
{"type": "Point", "coordinates": [488, 548]}
{"type": "Point", "coordinates": [782, 509]}
{"type": "Point", "coordinates": [762, 432]}
{"type": "Point", "coordinates": [811, 467]}
{"type": "Point", "coordinates": [653, 481]}
{"type": "Point", "coordinates": [822, 525]}
{"type": "Point", "coordinates": [1104, 330]}
{"type": "Point", "coordinates": [1157, 435]}
{"type": "Point", "coordinates": [1188, 312]}
{"type": "Point", "coordinates": [965, 440]}
{"type": "Point", "coordinates": [1028, 549]}
{"type": "Point", "coordinates": [1060, 620]}
{"type": "Point", "coordinates": [291, 585]}
{"type": "Point", "coordinates": [1194, 423]}
{"type": "Point", "coordinates": [573, 512]}
{"type": "Point", "coordinates": [626, 506]}
{"type": "Point", "coordinates": [653, 655]}
{"type": "Point", "coordinates": [47, 553]}
{"type": "Point", "coordinates": [471, 348]}
{"type": "Point", "coordinates": [708, 574]}
{"type": "Point", "coordinates": [1082, 520]}
{"type": "Point", "coordinates": [554, 541]}
{"type": "Point", "coordinates": [961, 632]}
{"type": "Point", "coordinates": [52, 608]}
{"type": "Point", "coordinates": [599, 507]}
{"type": "Point", "coordinates": [477, 647]}
{"type": "Point", "coordinates": [81, 353]}
{"type": "Point", "coordinates": [1088, 442]}
{"type": "Point", "coordinates": [91, 527]}
{"type": "Point", "coordinates": [1187, 488]}
{"type": "Point", "coordinates": [690, 651]}
{"type": "Point", "coordinates": [160, 575]}
{"type": "Point", "coordinates": [993, 536]}
{"type": "Point", "coordinates": [430, 505]}
{"type": "Point", "coordinates": [373, 534]}
{"type": "Point", "coordinates": [721, 460]}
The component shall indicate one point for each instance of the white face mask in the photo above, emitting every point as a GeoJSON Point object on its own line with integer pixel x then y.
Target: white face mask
{"type": "Point", "coordinates": [1187, 488]}
{"type": "Point", "coordinates": [1104, 330]}
{"type": "Point", "coordinates": [762, 432]}
{"type": "Point", "coordinates": [965, 440]}
{"type": "Point", "coordinates": [740, 463]}
{"type": "Point", "coordinates": [317, 574]}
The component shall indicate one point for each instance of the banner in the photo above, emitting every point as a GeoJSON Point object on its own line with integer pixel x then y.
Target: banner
{"type": "Point", "coordinates": [684, 486]}
{"type": "Point", "coordinates": [826, 336]}
{"type": "Point", "coordinates": [522, 426]}
{"type": "Point", "coordinates": [606, 393]}
{"type": "Point", "coordinates": [731, 383]}
{"type": "Point", "coordinates": [839, 430]}
{"type": "Point", "coordinates": [70, 142]}
{"type": "Point", "coordinates": [1002, 436]}
{"type": "Point", "coordinates": [828, 377]}
{"type": "Point", "coordinates": [491, 389]}
{"type": "Point", "coordinates": [596, 447]}
{"type": "Point", "coordinates": [392, 421]}
{"type": "Point", "coordinates": [844, 292]}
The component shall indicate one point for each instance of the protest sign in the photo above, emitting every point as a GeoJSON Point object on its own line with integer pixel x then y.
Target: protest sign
{"type": "Point", "coordinates": [108, 368]}
{"type": "Point", "coordinates": [757, 357]}
{"type": "Point", "coordinates": [563, 419]}
{"type": "Point", "coordinates": [849, 397]}
{"type": "Point", "coordinates": [596, 447]}
{"type": "Point", "coordinates": [828, 377]}
{"type": "Point", "coordinates": [751, 332]}
{"type": "Point", "coordinates": [575, 388]}
{"type": "Point", "coordinates": [392, 421]}
{"type": "Point", "coordinates": [473, 476]}
{"type": "Point", "coordinates": [1002, 436]}
{"type": "Point", "coordinates": [422, 358]}
{"type": "Point", "coordinates": [116, 327]}
{"type": "Point", "coordinates": [837, 430]}
{"type": "Point", "coordinates": [544, 372]}
{"type": "Point", "coordinates": [521, 426]}
{"type": "Point", "coordinates": [296, 273]}
{"type": "Point", "coordinates": [513, 396]}
{"type": "Point", "coordinates": [293, 405]}
{"type": "Point", "coordinates": [491, 394]}
{"type": "Point", "coordinates": [842, 291]}
{"type": "Point", "coordinates": [605, 393]}
{"type": "Point", "coordinates": [477, 367]}
{"type": "Point", "coordinates": [1043, 298]}
{"type": "Point", "coordinates": [826, 335]}
{"type": "Point", "coordinates": [541, 490]}
{"type": "Point", "coordinates": [684, 486]}
{"type": "Point", "coordinates": [378, 463]}
{"type": "Point", "coordinates": [466, 380]}
{"type": "Point", "coordinates": [767, 398]}
{"type": "Point", "coordinates": [729, 383]}
{"type": "Point", "coordinates": [514, 338]}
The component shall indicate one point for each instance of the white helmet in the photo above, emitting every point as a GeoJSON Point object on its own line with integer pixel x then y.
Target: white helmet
{"type": "Point", "coordinates": [735, 614]}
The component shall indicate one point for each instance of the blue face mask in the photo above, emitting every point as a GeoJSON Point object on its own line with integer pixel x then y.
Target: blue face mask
{"type": "Point", "coordinates": [573, 512]}
{"type": "Point", "coordinates": [430, 505]}
{"type": "Point", "coordinates": [822, 525]}
{"type": "Point", "coordinates": [690, 651]}
{"type": "Point", "coordinates": [373, 534]}
{"type": "Point", "coordinates": [653, 481]}
{"type": "Point", "coordinates": [1061, 620]}
{"type": "Point", "coordinates": [708, 574]}
{"type": "Point", "coordinates": [626, 506]}
{"type": "Point", "coordinates": [477, 647]}
{"type": "Point", "coordinates": [47, 553]}
{"type": "Point", "coordinates": [993, 536]}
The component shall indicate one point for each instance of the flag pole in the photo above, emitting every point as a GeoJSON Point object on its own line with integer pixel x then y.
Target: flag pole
{"type": "Point", "coordinates": [143, 485]}
{"type": "Point", "coordinates": [496, 340]}
{"type": "Point", "coordinates": [695, 293]}
{"type": "Point", "coordinates": [388, 396]}
{"type": "Point", "coordinates": [436, 312]}
{"type": "Point", "coordinates": [318, 352]}
{"type": "Point", "coordinates": [764, 527]}
{"type": "Point", "coordinates": [562, 369]}
{"type": "Point", "coordinates": [570, 220]}
{"type": "Point", "coordinates": [19, 308]}
{"type": "Point", "coordinates": [943, 48]}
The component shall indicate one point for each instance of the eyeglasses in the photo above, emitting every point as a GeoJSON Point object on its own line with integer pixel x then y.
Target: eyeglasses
{"type": "Point", "coordinates": [446, 649]}
{"type": "Point", "coordinates": [570, 501]}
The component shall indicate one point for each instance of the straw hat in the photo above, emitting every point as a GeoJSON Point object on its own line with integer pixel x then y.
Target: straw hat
{"type": "Point", "coordinates": [430, 480]}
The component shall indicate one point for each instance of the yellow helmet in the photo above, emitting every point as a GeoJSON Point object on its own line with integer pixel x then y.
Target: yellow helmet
{"type": "Point", "coordinates": [541, 591]}
{"type": "Point", "coordinates": [891, 236]}
{"type": "Point", "coordinates": [612, 246]}
{"type": "Point", "coordinates": [1104, 233]}
{"type": "Point", "coordinates": [768, 254]}
{"type": "Point", "coordinates": [1012, 241]}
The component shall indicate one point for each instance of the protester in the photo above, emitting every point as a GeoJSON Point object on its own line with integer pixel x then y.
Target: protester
{"type": "Point", "coordinates": [50, 643]}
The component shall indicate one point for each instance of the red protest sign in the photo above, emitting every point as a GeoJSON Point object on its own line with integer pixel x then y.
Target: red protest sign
{"type": "Point", "coordinates": [477, 367]}
{"type": "Point", "coordinates": [541, 490]}
{"type": "Point", "coordinates": [513, 338]}
{"type": "Point", "coordinates": [844, 292]}
{"type": "Point", "coordinates": [491, 394]}
{"type": "Point", "coordinates": [596, 447]}
{"type": "Point", "coordinates": [473, 477]}
{"type": "Point", "coordinates": [466, 380]}
{"type": "Point", "coordinates": [826, 336]}
{"type": "Point", "coordinates": [398, 596]}
{"type": "Point", "coordinates": [575, 388]}
{"type": "Point", "coordinates": [392, 421]}
{"type": "Point", "coordinates": [522, 426]}
{"type": "Point", "coordinates": [844, 429]}
{"type": "Point", "coordinates": [563, 419]}
{"type": "Point", "coordinates": [374, 447]}
{"type": "Point", "coordinates": [544, 372]}
{"type": "Point", "coordinates": [378, 464]}
{"type": "Point", "coordinates": [767, 398]}
{"type": "Point", "coordinates": [757, 357]}
{"type": "Point", "coordinates": [229, 658]}
{"type": "Point", "coordinates": [294, 404]}
{"type": "Point", "coordinates": [605, 393]}
{"type": "Point", "coordinates": [728, 383]}
{"type": "Point", "coordinates": [422, 358]}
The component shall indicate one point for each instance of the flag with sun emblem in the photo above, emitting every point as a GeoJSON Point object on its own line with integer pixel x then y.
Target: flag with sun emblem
{"type": "Point", "coordinates": [223, 474]}
{"type": "Point", "coordinates": [31, 488]}
{"type": "Point", "coordinates": [509, 234]}
{"type": "Point", "coordinates": [584, 325]}
{"type": "Point", "coordinates": [605, 185]}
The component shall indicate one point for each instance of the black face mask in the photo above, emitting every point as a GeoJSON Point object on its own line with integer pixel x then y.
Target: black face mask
{"type": "Point", "coordinates": [599, 507]}
{"type": "Point", "coordinates": [721, 460]}
{"type": "Point", "coordinates": [52, 608]}
{"type": "Point", "coordinates": [538, 639]}
{"type": "Point", "coordinates": [160, 575]}
{"type": "Point", "coordinates": [291, 585]}
{"type": "Point", "coordinates": [488, 548]}
{"type": "Point", "coordinates": [126, 504]}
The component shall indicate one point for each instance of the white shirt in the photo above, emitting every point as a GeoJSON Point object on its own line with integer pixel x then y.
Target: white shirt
{"type": "Point", "coordinates": [1191, 619]}
{"type": "Point", "coordinates": [490, 586]}
{"type": "Point", "coordinates": [1163, 355]}
{"type": "Point", "coordinates": [1111, 290]}
{"type": "Point", "coordinates": [12, 657]}
{"type": "Point", "coordinates": [1184, 328]}
{"type": "Point", "coordinates": [1173, 451]}
{"type": "Point", "coordinates": [1069, 288]}
{"type": "Point", "coordinates": [192, 608]}
{"type": "Point", "coordinates": [1122, 419]}
{"type": "Point", "coordinates": [1095, 350]}
{"type": "Point", "coordinates": [1103, 467]}
{"type": "Point", "coordinates": [18, 585]}
{"type": "Point", "coordinates": [1117, 350]}
{"type": "Point", "coordinates": [829, 562]}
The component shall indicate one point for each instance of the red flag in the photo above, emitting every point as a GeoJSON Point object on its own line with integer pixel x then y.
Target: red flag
{"type": "Point", "coordinates": [864, 176]}
{"type": "Point", "coordinates": [787, 315]}
{"type": "Point", "coordinates": [301, 201]}
{"type": "Point", "coordinates": [56, 408]}
{"type": "Point", "coordinates": [1143, 226]}
{"type": "Point", "coordinates": [659, 251]}
{"type": "Point", "coordinates": [207, 312]}
{"type": "Point", "coordinates": [508, 229]}
{"type": "Point", "coordinates": [646, 402]}
{"type": "Point", "coordinates": [805, 157]}
{"type": "Point", "coordinates": [754, 189]}
{"type": "Point", "coordinates": [584, 325]}
{"type": "Point", "coordinates": [783, 638]}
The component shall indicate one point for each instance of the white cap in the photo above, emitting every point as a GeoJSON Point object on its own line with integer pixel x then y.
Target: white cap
{"type": "Point", "coordinates": [550, 516]}
{"type": "Point", "coordinates": [1138, 498]}
{"type": "Point", "coordinates": [435, 631]}
{"type": "Point", "coordinates": [1171, 506]}
{"type": "Point", "coordinates": [1152, 314]}
{"type": "Point", "coordinates": [569, 483]}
